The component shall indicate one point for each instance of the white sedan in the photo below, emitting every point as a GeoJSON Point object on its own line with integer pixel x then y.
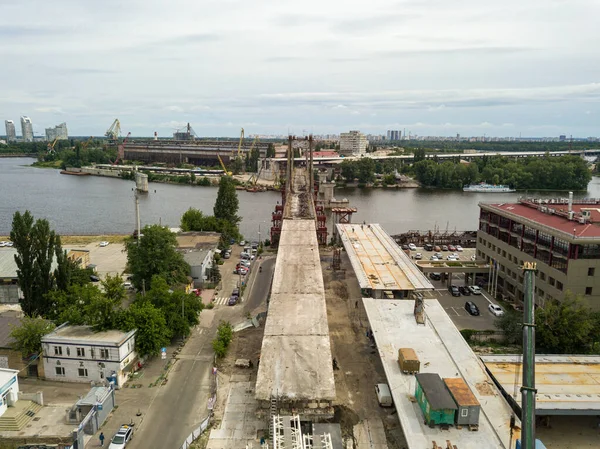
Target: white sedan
{"type": "Point", "coordinates": [459, 248]}
{"type": "Point", "coordinates": [103, 244]}
{"type": "Point", "coordinates": [412, 246]}
{"type": "Point", "coordinates": [496, 309]}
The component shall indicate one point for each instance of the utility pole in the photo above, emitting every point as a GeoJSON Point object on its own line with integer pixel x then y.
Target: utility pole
{"type": "Point", "coordinates": [528, 390]}
{"type": "Point", "coordinates": [137, 216]}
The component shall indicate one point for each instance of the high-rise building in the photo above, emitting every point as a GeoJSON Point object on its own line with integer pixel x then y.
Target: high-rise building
{"type": "Point", "coordinates": [353, 143]}
{"type": "Point", "coordinates": [394, 135]}
{"type": "Point", "coordinates": [27, 129]}
{"type": "Point", "coordinates": [11, 133]}
{"type": "Point", "coordinates": [58, 132]}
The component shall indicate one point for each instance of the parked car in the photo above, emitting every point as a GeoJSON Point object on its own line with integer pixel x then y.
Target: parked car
{"type": "Point", "coordinates": [103, 244]}
{"type": "Point", "coordinates": [232, 301]}
{"type": "Point", "coordinates": [453, 289]}
{"type": "Point", "coordinates": [384, 395]}
{"type": "Point", "coordinates": [244, 263]}
{"type": "Point", "coordinates": [128, 285]}
{"type": "Point", "coordinates": [451, 248]}
{"type": "Point", "coordinates": [474, 289]}
{"type": "Point", "coordinates": [9, 244]}
{"type": "Point", "coordinates": [433, 258]}
{"type": "Point", "coordinates": [94, 278]}
{"type": "Point", "coordinates": [472, 308]}
{"type": "Point", "coordinates": [241, 270]}
{"type": "Point", "coordinates": [435, 276]}
{"type": "Point", "coordinates": [243, 243]}
{"type": "Point", "coordinates": [226, 255]}
{"type": "Point", "coordinates": [464, 290]}
{"type": "Point", "coordinates": [459, 248]}
{"type": "Point", "coordinates": [235, 292]}
{"type": "Point", "coordinates": [496, 309]}
{"type": "Point", "coordinates": [428, 247]}
{"type": "Point", "coordinates": [404, 247]}
{"type": "Point", "coordinates": [451, 257]}
{"type": "Point", "coordinates": [439, 255]}
{"type": "Point", "coordinates": [412, 246]}
{"type": "Point", "coordinates": [444, 248]}
{"type": "Point", "coordinates": [473, 257]}
{"type": "Point", "coordinates": [254, 244]}
{"type": "Point", "coordinates": [247, 256]}
{"type": "Point", "coordinates": [437, 248]}
{"type": "Point", "coordinates": [418, 256]}
{"type": "Point", "coordinates": [121, 438]}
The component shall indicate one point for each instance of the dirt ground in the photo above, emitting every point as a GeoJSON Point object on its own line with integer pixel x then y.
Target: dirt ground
{"type": "Point", "coordinates": [359, 364]}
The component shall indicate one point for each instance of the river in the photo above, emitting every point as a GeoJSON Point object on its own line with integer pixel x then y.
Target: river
{"type": "Point", "coordinates": [96, 205]}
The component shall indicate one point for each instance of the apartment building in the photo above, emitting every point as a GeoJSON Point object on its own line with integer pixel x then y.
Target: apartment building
{"type": "Point", "coordinates": [27, 129]}
{"type": "Point", "coordinates": [561, 235]}
{"type": "Point", "coordinates": [58, 132]}
{"type": "Point", "coordinates": [353, 143]}
{"type": "Point", "coordinates": [11, 133]}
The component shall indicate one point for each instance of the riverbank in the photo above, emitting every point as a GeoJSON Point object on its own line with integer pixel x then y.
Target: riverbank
{"type": "Point", "coordinates": [18, 155]}
{"type": "Point", "coordinates": [85, 239]}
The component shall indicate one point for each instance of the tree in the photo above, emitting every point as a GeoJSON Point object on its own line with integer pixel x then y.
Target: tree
{"type": "Point", "coordinates": [227, 203]}
{"type": "Point", "coordinates": [349, 170]}
{"type": "Point", "coordinates": [236, 166]}
{"type": "Point", "coordinates": [270, 150]}
{"type": "Point", "coordinates": [418, 154]}
{"type": "Point", "coordinates": [155, 254]}
{"type": "Point", "coordinates": [366, 170]}
{"type": "Point", "coordinates": [152, 332]}
{"type": "Point", "coordinates": [64, 267]}
{"type": "Point", "coordinates": [20, 235]}
{"type": "Point", "coordinates": [195, 220]}
{"type": "Point", "coordinates": [44, 246]}
{"type": "Point", "coordinates": [28, 336]}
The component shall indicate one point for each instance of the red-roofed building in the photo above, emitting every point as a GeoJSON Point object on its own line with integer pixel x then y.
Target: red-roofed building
{"type": "Point", "coordinates": [563, 239]}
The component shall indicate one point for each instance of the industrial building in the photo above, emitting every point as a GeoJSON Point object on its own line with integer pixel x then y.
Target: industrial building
{"type": "Point", "coordinates": [58, 132]}
{"type": "Point", "coordinates": [26, 129]}
{"type": "Point", "coordinates": [11, 133]}
{"type": "Point", "coordinates": [383, 270]}
{"type": "Point", "coordinates": [561, 235]}
{"type": "Point", "coordinates": [353, 143]}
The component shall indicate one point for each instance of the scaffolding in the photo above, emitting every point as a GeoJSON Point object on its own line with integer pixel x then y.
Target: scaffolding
{"type": "Point", "coordinates": [287, 434]}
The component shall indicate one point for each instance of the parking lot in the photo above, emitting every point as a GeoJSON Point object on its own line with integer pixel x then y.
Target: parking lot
{"type": "Point", "coordinates": [110, 259]}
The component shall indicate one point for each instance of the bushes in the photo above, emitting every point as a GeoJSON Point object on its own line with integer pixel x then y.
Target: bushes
{"type": "Point", "coordinates": [224, 337]}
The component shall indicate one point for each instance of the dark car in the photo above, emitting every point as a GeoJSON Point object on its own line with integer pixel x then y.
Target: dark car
{"type": "Point", "coordinates": [472, 308]}
{"type": "Point", "coordinates": [428, 247]}
{"type": "Point", "coordinates": [232, 301]}
{"type": "Point", "coordinates": [94, 278]}
{"type": "Point", "coordinates": [435, 276]}
{"type": "Point", "coordinates": [454, 290]}
{"type": "Point", "coordinates": [405, 247]}
{"type": "Point", "coordinates": [235, 292]}
{"type": "Point", "coordinates": [464, 290]}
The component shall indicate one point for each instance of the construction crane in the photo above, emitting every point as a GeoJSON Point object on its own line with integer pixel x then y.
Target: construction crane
{"type": "Point", "coordinates": [51, 146]}
{"type": "Point", "coordinates": [228, 173]}
{"type": "Point", "coordinates": [114, 131]}
{"type": "Point", "coordinates": [121, 150]}
{"type": "Point", "coordinates": [254, 177]}
{"type": "Point", "coordinates": [85, 144]}
{"type": "Point", "coordinates": [239, 151]}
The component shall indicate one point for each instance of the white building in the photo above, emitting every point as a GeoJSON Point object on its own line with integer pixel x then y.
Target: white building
{"type": "Point", "coordinates": [9, 388]}
{"type": "Point", "coordinates": [353, 143]}
{"type": "Point", "coordinates": [78, 354]}
{"type": "Point", "coordinates": [11, 133]}
{"type": "Point", "coordinates": [27, 129]}
{"type": "Point", "coordinates": [58, 132]}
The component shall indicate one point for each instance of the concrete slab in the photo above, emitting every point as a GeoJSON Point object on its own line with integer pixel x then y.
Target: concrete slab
{"type": "Point", "coordinates": [370, 434]}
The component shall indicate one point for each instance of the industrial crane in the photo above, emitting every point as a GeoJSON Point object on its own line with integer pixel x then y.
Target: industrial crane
{"type": "Point", "coordinates": [228, 173]}
{"type": "Point", "coordinates": [121, 150]}
{"type": "Point", "coordinates": [114, 131]}
{"type": "Point", "coordinates": [239, 151]}
{"type": "Point", "coordinates": [51, 146]}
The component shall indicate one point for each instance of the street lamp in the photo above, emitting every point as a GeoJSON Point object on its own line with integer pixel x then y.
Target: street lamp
{"type": "Point", "coordinates": [259, 240]}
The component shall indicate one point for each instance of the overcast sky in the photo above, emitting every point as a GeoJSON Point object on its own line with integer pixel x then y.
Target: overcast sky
{"type": "Point", "coordinates": [432, 67]}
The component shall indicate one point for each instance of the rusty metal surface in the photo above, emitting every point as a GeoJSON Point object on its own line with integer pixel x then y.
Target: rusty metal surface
{"type": "Point", "coordinates": [461, 392]}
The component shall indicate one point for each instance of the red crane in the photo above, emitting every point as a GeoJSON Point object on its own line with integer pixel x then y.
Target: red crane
{"type": "Point", "coordinates": [121, 150]}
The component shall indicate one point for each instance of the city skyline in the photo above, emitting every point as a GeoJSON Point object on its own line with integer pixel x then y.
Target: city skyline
{"type": "Point", "coordinates": [429, 67]}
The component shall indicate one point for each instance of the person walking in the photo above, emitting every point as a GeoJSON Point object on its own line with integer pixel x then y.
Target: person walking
{"type": "Point", "coordinates": [101, 439]}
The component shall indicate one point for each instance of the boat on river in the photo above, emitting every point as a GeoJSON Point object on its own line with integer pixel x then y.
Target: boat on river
{"type": "Point", "coordinates": [483, 187]}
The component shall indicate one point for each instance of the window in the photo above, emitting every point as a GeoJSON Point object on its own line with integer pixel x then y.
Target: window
{"type": "Point", "coordinates": [588, 291]}
{"type": "Point", "coordinates": [58, 350]}
{"type": "Point", "coordinates": [591, 271]}
{"type": "Point", "coordinates": [559, 285]}
{"type": "Point", "coordinates": [103, 353]}
{"type": "Point", "coordinates": [83, 372]}
{"type": "Point", "coordinates": [542, 276]}
{"type": "Point", "coordinates": [503, 253]}
{"type": "Point", "coordinates": [68, 351]}
{"type": "Point", "coordinates": [60, 370]}
{"type": "Point", "coordinates": [80, 352]}
{"type": "Point", "coordinates": [551, 281]}
{"type": "Point", "coordinates": [92, 352]}
{"type": "Point", "coordinates": [464, 412]}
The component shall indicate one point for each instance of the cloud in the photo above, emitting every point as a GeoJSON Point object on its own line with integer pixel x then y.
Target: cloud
{"type": "Point", "coordinates": [27, 31]}
{"type": "Point", "coordinates": [49, 109]}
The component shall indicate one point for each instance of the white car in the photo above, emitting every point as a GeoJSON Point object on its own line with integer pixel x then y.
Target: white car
{"type": "Point", "coordinates": [452, 257]}
{"type": "Point", "coordinates": [459, 248]}
{"type": "Point", "coordinates": [473, 257]}
{"type": "Point", "coordinates": [103, 244]}
{"type": "Point", "coordinates": [9, 244]}
{"type": "Point", "coordinates": [433, 258]}
{"type": "Point", "coordinates": [243, 243]}
{"type": "Point", "coordinates": [3, 244]}
{"type": "Point", "coordinates": [121, 438]}
{"type": "Point", "coordinates": [496, 309]}
{"type": "Point", "coordinates": [418, 256]}
{"type": "Point", "coordinates": [475, 290]}
{"type": "Point", "coordinates": [412, 246]}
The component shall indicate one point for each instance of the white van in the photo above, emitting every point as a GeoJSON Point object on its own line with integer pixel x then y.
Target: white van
{"type": "Point", "coordinates": [384, 395]}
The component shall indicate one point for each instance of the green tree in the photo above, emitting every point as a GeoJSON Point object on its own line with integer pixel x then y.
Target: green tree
{"type": "Point", "coordinates": [195, 220]}
{"type": "Point", "coordinates": [155, 254]}
{"type": "Point", "coordinates": [152, 332]}
{"type": "Point", "coordinates": [349, 170]}
{"type": "Point", "coordinates": [20, 235]}
{"type": "Point", "coordinates": [44, 247]}
{"type": "Point", "coordinates": [114, 289]}
{"type": "Point", "coordinates": [28, 336]}
{"type": "Point", "coordinates": [236, 166]}
{"type": "Point", "coordinates": [64, 267]}
{"type": "Point", "coordinates": [418, 155]}
{"type": "Point", "coordinates": [270, 150]}
{"type": "Point", "coordinates": [227, 203]}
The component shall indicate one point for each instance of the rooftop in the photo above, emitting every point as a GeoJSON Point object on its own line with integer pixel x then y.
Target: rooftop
{"type": "Point", "coordinates": [553, 214]}
{"type": "Point", "coordinates": [6, 375]}
{"type": "Point", "coordinates": [566, 384]}
{"type": "Point", "coordinates": [7, 323]}
{"type": "Point", "coordinates": [295, 360]}
{"type": "Point", "coordinates": [94, 396]}
{"type": "Point", "coordinates": [378, 262]}
{"type": "Point", "coordinates": [198, 239]}
{"type": "Point", "coordinates": [86, 334]}
{"type": "Point", "coordinates": [8, 266]}
{"type": "Point", "coordinates": [195, 257]}
{"type": "Point", "coordinates": [394, 327]}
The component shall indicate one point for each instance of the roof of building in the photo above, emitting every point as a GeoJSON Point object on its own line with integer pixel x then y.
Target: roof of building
{"type": "Point", "coordinates": [196, 257]}
{"type": "Point", "coordinates": [72, 334]}
{"type": "Point", "coordinates": [7, 323]}
{"type": "Point", "coordinates": [378, 262]}
{"type": "Point", "coordinates": [557, 221]}
{"type": "Point", "coordinates": [435, 391]}
{"type": "Point", "coordinates": [8, 266]}
{"type": "Point", "coordinates": [566, 384]}
{"type": "Point", "coordinates": [6, 374]}
{"type": "Point", "coordinates": [295, 359]}
{"type": "Point", "coordinates": [94, 396]}
{"type": "Point", "coordinates": [198, 239]}
{"type": "Point", "coordinates": [441, 350]}
{"type": "Point", "coordinates": [461, 392]}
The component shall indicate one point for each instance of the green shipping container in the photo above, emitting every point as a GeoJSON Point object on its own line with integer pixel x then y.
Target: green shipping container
{"type": "Point", "coordinates": [435, 401]}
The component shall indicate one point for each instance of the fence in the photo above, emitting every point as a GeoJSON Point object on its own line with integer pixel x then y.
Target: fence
{"type": "Point", "coordinates": [210, 406]}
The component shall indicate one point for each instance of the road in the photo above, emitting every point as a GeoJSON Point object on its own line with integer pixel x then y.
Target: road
{"type": "Point", "coordinates": [259, 289]}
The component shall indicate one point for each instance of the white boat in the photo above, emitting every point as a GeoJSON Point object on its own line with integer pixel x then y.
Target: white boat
{"type": "Point", "coordinates": [488, 188]}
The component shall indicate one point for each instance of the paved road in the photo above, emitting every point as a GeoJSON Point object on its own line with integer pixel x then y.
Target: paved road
{"type": "Point", "coordinates": [261, 285]}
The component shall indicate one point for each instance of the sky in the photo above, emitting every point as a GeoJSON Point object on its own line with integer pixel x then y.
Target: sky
{"type": "Point", "coordinates": [430, 67]}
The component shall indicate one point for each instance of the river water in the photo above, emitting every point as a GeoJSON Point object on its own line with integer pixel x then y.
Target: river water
{"type": "Point", "coordinates": [96, 205]}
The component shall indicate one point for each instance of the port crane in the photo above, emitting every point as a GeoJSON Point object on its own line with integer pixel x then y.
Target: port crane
{"type": "Point", "coordinates": [121, 150]}
{"type": "Point", "coordinates": [51, 146]}
{"type": "Point", "coordinates": [114, 131]}
{"type": "Point", "coordinates": [228, 173]}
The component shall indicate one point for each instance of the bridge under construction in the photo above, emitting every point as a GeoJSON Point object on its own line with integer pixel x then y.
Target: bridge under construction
{"type": "Point", "coordinates": [295, 374]}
